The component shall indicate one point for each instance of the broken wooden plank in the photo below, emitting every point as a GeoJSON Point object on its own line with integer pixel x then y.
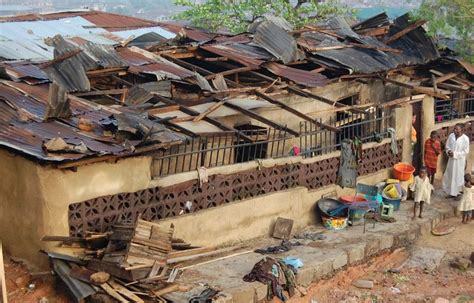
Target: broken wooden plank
{"type": "Point", "coordinates": [402, 100]}
{"type": "Point", "coordinates": [230, 72]}
{"type": "Point", "coordinates": [111, 292]}
{"type": "Point", "coordinates": [419, 89]}
{"type": "Point", "coordinates": [200, 255]}
{"type": "Point", "coordinates": [211, 109]}
{"type": "Point", "coordinates": [125, 292]}
{"type": "Point", "coordinates": [189, 252]}
{"type": "Point", "coordinates": [218, 259]}
{"type": "Point", "coordinates": [105, 71]}
{"type": "Point", "coordinates": [182, 119]}
{"type": "Point", "coordinates": [444, 77]}
{"type": "Point", "coordinates": [168, 289]}
{"type": "Point", "coordinates": [405, 31]}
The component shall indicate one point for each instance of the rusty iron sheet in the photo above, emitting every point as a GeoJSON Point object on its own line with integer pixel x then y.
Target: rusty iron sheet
{"type": "Point", "coordinates": [240, 56]}
{"type": "Point", "coordinates": [193, 34]}
{"type": "Point", "coordinates": [133, 58]}
{"type": "Point", "coordinates": [299, 76]}
{"type": "Point", "coordinates": [162, 68]}
{"type": "Point", "coordinates": [27, 135]}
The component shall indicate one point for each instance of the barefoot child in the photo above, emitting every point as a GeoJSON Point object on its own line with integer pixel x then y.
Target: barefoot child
{"type": "Point", "coordinates": [432, 151]}
{"type": "Point", "coordinates": [422, 188]}
{"type": "Point", "coordinates": [466, 205]}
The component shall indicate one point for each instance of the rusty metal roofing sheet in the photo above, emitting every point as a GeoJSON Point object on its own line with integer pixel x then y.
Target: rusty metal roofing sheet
{"type": "Point", "coordinates": [162, 71]}
{"type": "Point", "coordinates": [115, 22]}
{"type": "Point", "coordinates": [224, 111]}
{"type": "Point", "coordinates": [299, 76]}
{"type": "Point", "coordinates": [277, 42]}
{"type": "Point", "coordinates": [20, 70]}
{"type": "Point", "coordinates": [237, 53]}
{"type": "Point", "coordinates": [193, 34]}
{"type": "Point", "coordinates": [26, 136]}
{"type": "Point", "coordinates": [133, 58]}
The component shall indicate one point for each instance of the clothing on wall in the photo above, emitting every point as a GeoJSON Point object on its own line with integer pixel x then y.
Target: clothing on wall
{"type": "Point", "coordinates": [350, 154]}
{"type": "Point", "coordinates": [393, 140]}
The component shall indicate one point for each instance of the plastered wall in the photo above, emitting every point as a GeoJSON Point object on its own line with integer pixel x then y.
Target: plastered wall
{"type": "Point", "coordinates": [34, 199]}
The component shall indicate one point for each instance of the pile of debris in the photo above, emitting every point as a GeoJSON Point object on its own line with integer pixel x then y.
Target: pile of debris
{"type": "Point", "coordinates": [132, 263]}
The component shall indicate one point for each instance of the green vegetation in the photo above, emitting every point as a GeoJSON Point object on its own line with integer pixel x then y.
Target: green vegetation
{"type": "Point", "coordinates": [451, 18]}
{"type": "Point", "coordinates": [236, 15]}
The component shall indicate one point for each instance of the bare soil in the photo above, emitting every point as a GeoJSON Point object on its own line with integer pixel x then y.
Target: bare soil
{"type": "Point", "coordinates": [405, 285]}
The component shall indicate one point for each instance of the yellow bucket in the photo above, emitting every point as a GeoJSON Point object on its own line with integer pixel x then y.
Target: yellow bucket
{"type": "Point", "coordinates": [392, 181]}
{"type": "Point", "coordinates": [392, 192]}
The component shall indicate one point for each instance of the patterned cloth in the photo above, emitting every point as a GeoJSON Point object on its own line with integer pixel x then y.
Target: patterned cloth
{"type": "Point", "coordinates": [432, 150]}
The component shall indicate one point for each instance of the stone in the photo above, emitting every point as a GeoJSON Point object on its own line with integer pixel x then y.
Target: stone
{"type": "Point", "coordinates": [322, 269]}
{"type": "Point", "coordinates": [441, 300]}
{"type": "Point", "coordinates": [305, 276]}
{"type": "Point", "coordinates": [461, 263]}
{"type": "Point", "coordinates": [386, 242]}
{"type": "Point", "coordinates": [424, 258]}
{"type": "Point", "coordinates": [100, 277]}
{"type": "Point", "coordinates": [372, 247]}
{"type": "Point", "coordinates": [363, 284]}
{"type": "Point", "coordinates": [340, 260]}
{"type": "Point", "coordinates": [356, 253]}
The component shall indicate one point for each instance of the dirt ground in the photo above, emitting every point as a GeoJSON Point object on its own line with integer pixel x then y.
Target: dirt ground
{"type": "Point", "coordinates": [402, 285]}
{"type": "Point", "coordinates": [405, 284]}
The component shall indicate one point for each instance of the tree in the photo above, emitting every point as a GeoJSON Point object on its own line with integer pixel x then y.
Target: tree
{"type": "Point", "coordinates": [451, 18]}
{"type": "Point", "coordinates": [236, 15]}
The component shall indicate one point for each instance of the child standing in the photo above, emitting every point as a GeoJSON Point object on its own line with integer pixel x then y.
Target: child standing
{"type": "Point", "coordinates": [466, 205]}
{"type": "Point", "coordinates": [422, 188]}
{"type": "Point", "coordinates": [432, 151]}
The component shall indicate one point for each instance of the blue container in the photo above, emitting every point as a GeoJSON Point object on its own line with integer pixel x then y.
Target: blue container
{"type": "Point", "coordinates": [394, 202]}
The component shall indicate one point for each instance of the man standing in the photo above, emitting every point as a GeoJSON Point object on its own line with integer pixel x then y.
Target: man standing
{"type": "Point", "coordinates": [457, 148]}
{"type": "Point", "coordinates": [432, 151]}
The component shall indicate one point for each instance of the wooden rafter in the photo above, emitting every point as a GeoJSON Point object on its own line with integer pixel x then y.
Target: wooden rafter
{"type": "Point", "coordinates": [405, 31]}
{"type": "Point", "coordinates": [422, 90]}
{"type": "Point", "coordinates": [211, 109]}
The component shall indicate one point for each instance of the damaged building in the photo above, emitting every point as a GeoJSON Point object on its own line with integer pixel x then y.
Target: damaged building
{"type": "Point", "coordinates": [106, 118]}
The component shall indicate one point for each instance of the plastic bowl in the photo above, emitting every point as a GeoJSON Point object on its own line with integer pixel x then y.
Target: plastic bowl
{"type": "Point", "coordinates": [335, 223]}
{"type": "Point", "coordinates": [403, 171]}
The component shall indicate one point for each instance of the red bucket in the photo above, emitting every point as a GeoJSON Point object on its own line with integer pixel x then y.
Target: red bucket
{"type": "Point", "coordinates": [403, 171]}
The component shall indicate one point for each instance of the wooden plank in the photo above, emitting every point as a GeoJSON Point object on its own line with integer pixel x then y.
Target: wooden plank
{"type": "Point", "coordinates": [196, 256]}
{"type": "Point", "coordinates": [231, 72]}
{"type": "Point", "coordinates": [111, 292]}
{"type": "Point", "coordinates": [218, 259]}
{"type": "Point", "coordinates": [118, 91]}
{"type": "Point", "coordinates": [295, 112]}
{"type": "Point", "coordinates": [125, 292]}
{"type": "Point", "coordinates": [445, 77]}
{"type": "Point", "coordinates": [190, 252]}
{"type": "Point", "coordinates": [211, 109]}
{"type": "Point", "coordinates": [105, 71]}
{"type": "Point", "coordinates": [181, 119]}
{"type": "Point", "coordinates": [402, 100]}
{"type": "Point", "coordinates": [405, 31]}
{"type": "Point", "coordinates": [264, 120]}
{"type": "Point", "coordinates": [419, 89]}
{"type": "Point", "coordinates": [3, 281]}
{"type": "Point", "coordinates": [168, 289]}
{"type": "Point", "coordinates": [60, 58]}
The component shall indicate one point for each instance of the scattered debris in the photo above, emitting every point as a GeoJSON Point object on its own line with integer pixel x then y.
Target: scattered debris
{"type": "Point", "coordinates": [282, 229]}
{"type": "Point", "coordinates": [283, 247]}
{"type": "Point", "coordinates": [461, 263]}
{"type": "Point", "coordinates": [442, 229]}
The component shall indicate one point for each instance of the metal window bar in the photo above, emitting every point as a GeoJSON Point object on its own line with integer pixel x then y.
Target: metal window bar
{"type": "Point", "coordinates": [315, 140]}
{"type": "Point", "coordinates": [221, 149]}
{"type": "Point", "coordinates": [458, 106]}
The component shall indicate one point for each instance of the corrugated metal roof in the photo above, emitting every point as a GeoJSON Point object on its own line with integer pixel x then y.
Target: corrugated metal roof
{"type": "Point", "coordinates": [80, 290]}
{"type": "Point", "coordinates": [21, 70]}
{"type": "Point", "coordinates": [141, 31]}
{"type": "Point", "coordinates": [297, 75]}
{"type": "Point", "coordinates": [133, 58]}
{"type": "Point", "coordinates": [246, 55]}
{"type": "Point", "coordinates": [193, 34]}
{"type": "Point", "coordinates": [224, 111]}
{"type": "Point", "coordinates": [277, 42]}
{"type": "Point", "coordinates": [162, 71]}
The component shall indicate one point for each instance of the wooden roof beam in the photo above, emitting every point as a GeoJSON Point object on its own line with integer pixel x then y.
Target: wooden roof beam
{"type": "Point", "coordinates": [257, 117]}
{"type": "Point", "coordinates": [295, 112]}
{"type": "Point", "coordinates": [405, 31]}
{"type": "Point", "coordinates": [421, 90]}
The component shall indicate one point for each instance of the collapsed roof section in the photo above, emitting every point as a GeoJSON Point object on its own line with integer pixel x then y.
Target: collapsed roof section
{"type": "Point", "coordinates": [78, 85]}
